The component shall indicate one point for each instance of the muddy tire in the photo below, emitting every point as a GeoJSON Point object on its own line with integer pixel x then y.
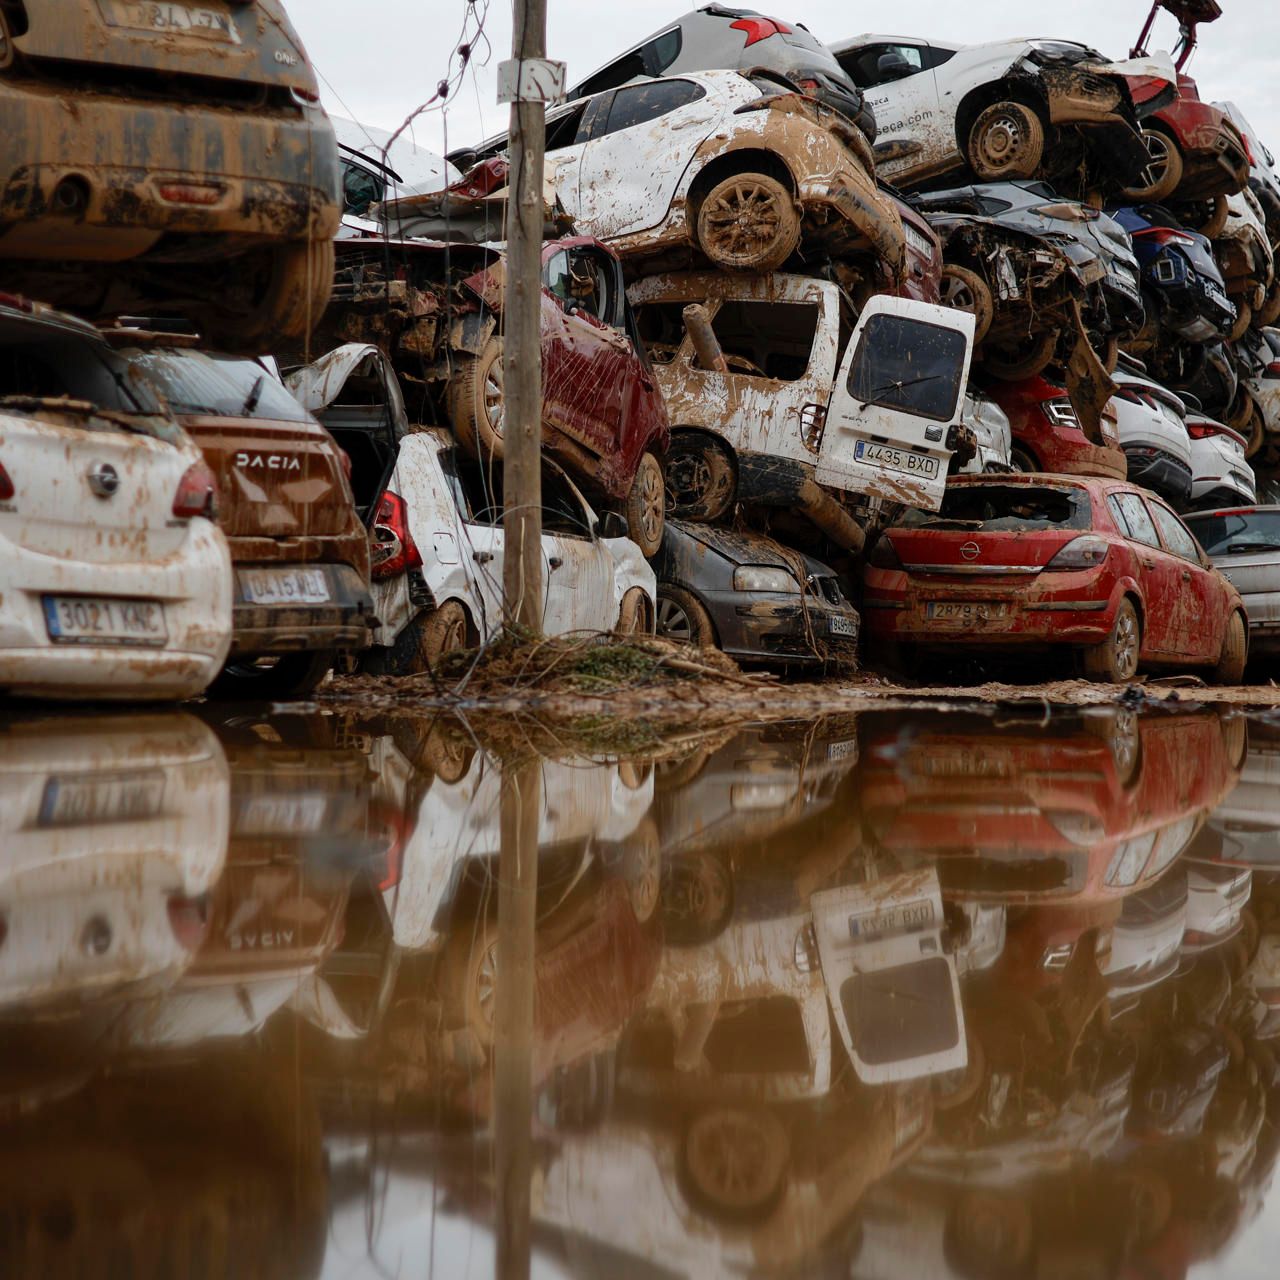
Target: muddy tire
{"type": "Point", "coordinates": [1108, 352]}
{"type": "Point", "coordinates": [966, 290]}
{"type": "Point", "coordinates": [696, 899]}
{"type": "Point", "coordinates": [635, 614]}
{"type": "Point", "coordinates": [1244, 318]}
{"type": "Point", "coordinates": [475, 402]}
{"type": "Point", "coordinates": [1253, 428]}
{"type": "Point", "coordinates": [1209, 217]}
{"type": "Point", "coordinates": [1160, 179]}
{"type": "Point", "coordinates": [1115, 660]}
{"type": "Point", "coordinates": [1006, 142]}
{"type": "Point", "coordinates": [1118, 728]}
{"type": "Point", "coordinates": [701, 477]}
{"type": "Point", "coordinates": [291, 675]}
{"type": "Point", "coordinates": [990, 1235]}
{"type": "Point", "coordinates": [748, 222]}
{"type": "Point", "coordinates": [1021, 460]}
{"type": "Point", "coordinates": [290, 294]}
{"type": "Point", "coordinates": [426, 639]}
{"type": "Point", "coordinates": [470, 981]}
{"type": "Point", "coordinates": [1267, 314]}
{"type": "Point", "coordinates": [434, 747]}
{"type": "Point", "coordinates": [682, 616]}
{"type": "Point", "coordinates": [642, 869]}
{"type": "Point", "coordinates": [1235, 652]}
{"type": "Point", "coordinates": [646, 506]}
{"type": "Point", "coordinates": [734, 1162]}
{"type": "Point", "coordinates": [1235, 740]}
{"type": "Point", "coordinates": [1029, 358]}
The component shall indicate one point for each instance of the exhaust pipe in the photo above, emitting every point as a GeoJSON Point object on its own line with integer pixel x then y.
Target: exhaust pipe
{"type": "Point", "coordinates": [706, 345]}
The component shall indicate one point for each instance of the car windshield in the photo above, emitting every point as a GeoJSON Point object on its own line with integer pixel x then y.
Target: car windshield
{"type": "Point", "coordinates": [908, 365]}
{"type": "Point", "coordinates": [1013, 508]}
{"type": "Point", "coordinates": [195, 382]}
{"type": "Point", "coordinates": [1237, 532]}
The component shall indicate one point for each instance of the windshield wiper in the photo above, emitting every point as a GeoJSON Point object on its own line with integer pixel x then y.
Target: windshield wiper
{"type": "Point", "coordinates": [255, 394]}
{"type": "Point", "coordinates": [1243, 548]}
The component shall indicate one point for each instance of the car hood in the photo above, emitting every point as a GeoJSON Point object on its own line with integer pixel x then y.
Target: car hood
{"type": "Point", "coordinates": [748, 548]}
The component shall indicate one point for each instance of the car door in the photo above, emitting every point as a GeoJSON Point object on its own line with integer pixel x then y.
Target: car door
{"type": "Point", "coordinates": [1197, 623]}
{"type": "Point", "coordinates": [1159, 574]}
{"type": "Point", "coordinates": [579, 573]}
{"type": "Point", "coordinates": [632, 166]}
{"type": "Point", "coordinates": [477, 493]}
{"type": "Point", "coordinates": [566, 139]}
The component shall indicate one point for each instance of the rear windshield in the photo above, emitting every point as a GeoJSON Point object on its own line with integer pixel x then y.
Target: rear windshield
{"type": "Point", "coordinates": [195, 382]}
{"type": "Point", "coordinates": [910, 366]}
{"type": "Point", "coordinates": [1237, 534]}
{"type": "Point", "coordinates": [907, 1011]}
{"type": "Point", "coordinates": [47, 364]}
{"type": "Point", "coordinates": [1011, 507]}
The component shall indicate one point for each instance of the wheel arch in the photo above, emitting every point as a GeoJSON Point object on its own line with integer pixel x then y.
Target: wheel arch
{"type": "Point", "coordinates": [976, 101]}
{"type": "Point", "coordinates": [735, 161]}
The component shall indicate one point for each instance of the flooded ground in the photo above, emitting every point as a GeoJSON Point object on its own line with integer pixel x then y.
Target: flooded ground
{"type": "Point", "coordinates": [900, 993]}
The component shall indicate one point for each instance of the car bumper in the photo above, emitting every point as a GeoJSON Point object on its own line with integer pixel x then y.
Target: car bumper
{"type": "Point", "coordinates": [1213, 157]}
{"type": "Point", "coordinates": [1159, 471]}
{"type": "Point", "coordinates": [345, 621]}
{"type": "Point", "coordinates": [1230, 490]}
{"type": "Point", "coordinates": [765, 627]}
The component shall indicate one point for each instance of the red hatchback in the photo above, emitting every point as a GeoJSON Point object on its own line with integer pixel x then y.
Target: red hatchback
{"type": "Point", "coordinates": [1046, 431]}
{"type": "Point", "coordinates": [1026, 560]}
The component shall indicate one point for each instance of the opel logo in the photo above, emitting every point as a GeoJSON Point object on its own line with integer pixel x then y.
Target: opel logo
{"type": "Point", "coordinates": [970, 550]}
{"type": "Point", "coordinates": [103, 480]}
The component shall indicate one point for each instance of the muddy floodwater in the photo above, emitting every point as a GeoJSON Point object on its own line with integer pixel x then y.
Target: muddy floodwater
{"type": "Point", "coordinates": [895, 994]}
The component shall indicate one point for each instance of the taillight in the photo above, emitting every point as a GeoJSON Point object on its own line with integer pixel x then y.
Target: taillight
{"type": "Point", "coordinates": [392, 550]}
{"type": "Point", "coordinates": [1164, 236]}
{"type": "Point", "coordinates": [197, 493]}
{"type": "Point", "coordinates": [1085, 552]}
{"type": "Point", "coordinates": [1061, 412]}
{"type": "Point", "coordinates": [884, 555]}
{"type": "Point", "coordinates": [6, 485]}
{"type": "Point", "coordinates": [1207, 430]}
{"type": "Point", "coordinates": [1273, 369]}
{"type": "Point", "coordinates": [189, 920]}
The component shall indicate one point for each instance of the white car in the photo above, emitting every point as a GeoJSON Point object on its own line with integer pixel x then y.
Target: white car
{"type": "Point", "coordinates": [1151, 422]}
{"type": "Point", "coordinates": [114, 580]}
{"type": "Point", "coordinates": [1217, 894]}
{"type": "Point", "coordinates": [113, 832]}
{"type": "Point", "coordinates": [992, 431]}
{"type": "Point", "coordinates": [939, 106]}
{"type": "Point", "coordinates": [1220, 475]}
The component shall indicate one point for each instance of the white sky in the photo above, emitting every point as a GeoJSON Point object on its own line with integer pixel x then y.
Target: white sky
{"type": "Point", "coordinates": [381, 58]}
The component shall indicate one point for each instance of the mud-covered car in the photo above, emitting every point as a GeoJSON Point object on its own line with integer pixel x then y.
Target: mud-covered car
{"type": "Point", "coordinates": [1101, 567]}
{"type": "Point", "coordinates": [115, 582]}
{"type": "Point", "coordinates": [717, 37]}
{"type": "Point", "coordinates": [1046, 431]}
{"type": "Point", "coordinates": [1245, 257]}
{"type": "Point", "coordinates": [166, 157]}
{"type": "Point", "coordinates": [992, 107]}
{"type": "Point", "coordinates": [299, 548]}
{"type": "Point", "coordinates": [1021, 259]}
{"type": "Point", "coordinates": [440, 316]}
{"type": "Point", "coordinates": [751, 597]}
{"type": "Point", "coordinates": [1264, 182]}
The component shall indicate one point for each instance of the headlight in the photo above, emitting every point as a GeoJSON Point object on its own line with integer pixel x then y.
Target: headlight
{"type": "Point", "coordinates": [759, 577]}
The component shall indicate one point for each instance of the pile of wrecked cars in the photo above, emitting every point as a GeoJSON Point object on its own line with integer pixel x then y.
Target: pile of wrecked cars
{"type": "Point", "coordinates": [806, 308]}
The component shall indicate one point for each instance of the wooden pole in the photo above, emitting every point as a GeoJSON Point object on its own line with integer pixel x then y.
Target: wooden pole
{"type": "Point", "coordinates": [522, 354]}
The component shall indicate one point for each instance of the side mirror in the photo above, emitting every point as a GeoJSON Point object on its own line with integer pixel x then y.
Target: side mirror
{"type": "Point", "coordinates": [612, 524]}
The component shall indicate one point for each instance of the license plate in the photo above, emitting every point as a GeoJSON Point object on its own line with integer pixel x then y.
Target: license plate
{"type": "Point", "coordinates": [961, 764]}
{"type": "Point", "coordinates": [87, 799]}
{"type": "Point", "coordinates": [104, 620]}
{"type": "Point", "coordinates": [916, 464]}
{"type": "Point", "coordinates": [841, 626]}
{"type": "Point", "coordinates": [281, 815]}
{"type": "Point", "coordinates": [908, 917]}
{"type": "Point", "coordinates": [842, 750]}
{"type": "Point", "coordinates": [158, 15]}
{"type": "Point", "coordinates": [918, 241]}
{"type": "Point", "coordinates": [283, 586]}
{"type": "Point", "coordinates": [965, 611]}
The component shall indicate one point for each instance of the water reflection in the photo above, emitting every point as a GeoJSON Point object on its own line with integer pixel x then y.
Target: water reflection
{"type": "Point", "coordinates": [902, 995]}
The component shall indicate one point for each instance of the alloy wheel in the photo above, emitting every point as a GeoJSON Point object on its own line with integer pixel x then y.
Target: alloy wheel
{"type": "Point", "coordinates": [673, 622]}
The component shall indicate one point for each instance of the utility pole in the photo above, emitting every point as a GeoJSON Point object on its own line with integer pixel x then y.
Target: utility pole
{"type": "Point", "coordinates": [528, 82]}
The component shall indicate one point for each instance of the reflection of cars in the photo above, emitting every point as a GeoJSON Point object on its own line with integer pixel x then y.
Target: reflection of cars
{"type": "Point", "coordinates": [751, 597]}
{"type": "Point", "coordinates": [1101, 566]}
{"type": "Point", "coordinates": [1244, 830]}
{"type": "Point", "coordinates": [1216, 896]}
{"type": "Point", "coordinates": [1047, 435]}
{"type": "Point", "coordinates": [114, 580]}
{"type": "Point", "coordinates": [114, 831]}
{"type": "Point", "coordinates": [940, 106]}
{"type": "Point", "coordinates": [196, 170]}
{"type": "Point", "coordinates": [1244, 544]}
{"type": "Point", "coordinates": [438, 548]}
{"type": "Point", "coordinates": [1146, 938]}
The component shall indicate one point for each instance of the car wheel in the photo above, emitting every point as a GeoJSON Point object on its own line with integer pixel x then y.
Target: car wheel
{"type": "Point", "coordinates": [436, 746]}
{"type": "Point", "coordinates": [271, 678]}
{"type": "Point", "coordinates": [1115, 660]}
{"type": "Point", "coordinates": [476, 402]}
{"type": "Point", "coordinates": [1024, 359]}
{"type": "Point", "coordinates": [470, 986]}
{"type": "Point", "coordinates": [1164, 170]}
{"type": "Point", "coordinates": [1254, 429]}
{"type": "Point", "coordinates": [966, 290]}
{"type": "Point", "coordinates": [1118, 728]}
{"type": "Point", "coordinates": [1235, 651]}
{"type": "Point", "coordinates": [646, 506]}
{"type": "Point", "coordinates": [1006, 142]}
{"type": "Point", "coordinates": [696, 899]}
{"type": "Point", "coordinates": [1269, 312]}
{"type": "Point", "coordinates": [700, 478]}
{"type": "Point", "coordinates": [990, 1234]}
{"type": "Point", "coordinates": [1208, 217]}
{"type": "Point", "coordinates": [289, 288]}
{"type": "Point", "coordinates": [1021, 460]}
{"type": "Point", "coordinates": [431, 635]}
{"type": "Point", "coordinates": [735, 1161]}
{"type": "Point", "coordinates": [1235, 740]}
{"type": "Point", "coordinates": [1244, 318]}
{"type": "Point", "coordinates": [578, 1097]}
{"type": "Point", "coordinates": [1108, 352]}
{"type": "Point", "coordinates": [748, 222]}
{"type": "Point", "coordinates": [642, 868]}
{"type": "Point", "coordinates": [682, 616]}
{"type": "Point", "coordinates": [635, 614]}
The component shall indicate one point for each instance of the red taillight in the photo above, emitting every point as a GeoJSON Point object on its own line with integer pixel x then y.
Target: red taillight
{"type": "Point", "coordinates": [392, 550]}
{"type": "Point", "coordinates": [191, 192]}
{"type": "Point", "coordinates": [759, 28]}
{"type": "Point", "coordinates": [6, 485]}
{"type": "Point", "coordinates": [1164, 236]}
{"type": "Point", "coordinates": [1273, 369]}
{"type": "Point", "coordinates": [1207, 430]}
{"type": "Point", "coordinates": [189, 920]}
{"type": "Point", "coordinates": [884, 555]}
{"type": "Point", "coordinates": [197, 493]}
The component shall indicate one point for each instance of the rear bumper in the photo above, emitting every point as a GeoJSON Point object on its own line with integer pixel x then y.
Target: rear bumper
{"type": "Point", "coordinates": [111, 674]}
{"type": "Point", "coordinates": [1224, 491]}
{"type": "Point", "coordinates": [1154, 469]}
{"type": "Point", "coordinates": [344, 622]}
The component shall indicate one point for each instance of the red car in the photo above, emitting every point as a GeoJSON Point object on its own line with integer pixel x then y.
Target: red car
{"type": "Point", "coordinates": [1046, 431]}
{"type": "Point", "coordinates": [1031, 560]}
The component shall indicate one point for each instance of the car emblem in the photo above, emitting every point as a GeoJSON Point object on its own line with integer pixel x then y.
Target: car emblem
{"type": "Point", "coordinates": [970, 550]}
{"type": "Point", "coordinates": [104, 480]}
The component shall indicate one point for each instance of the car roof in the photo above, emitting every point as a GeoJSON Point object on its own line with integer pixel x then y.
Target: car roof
{"type": "Point", "coordinates": [869, 37]}
{"type": "Point", "coordinates": [21, 318]}
{"type": "Point", "coordinates": [1232, 511]}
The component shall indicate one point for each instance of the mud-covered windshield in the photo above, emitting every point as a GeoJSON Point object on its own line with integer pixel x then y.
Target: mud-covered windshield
{"type": "Point", "coordinates": [1237, 532]}
{"type": "Point", "coordinates": [195, 382]}
{"type": "Point", "coordinates": [910, 366]}
{"type": "Point", "coordinates": [1014, 508]}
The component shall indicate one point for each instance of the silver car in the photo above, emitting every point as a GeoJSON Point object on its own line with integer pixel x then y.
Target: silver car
{"type": "Point", "coordinates": [1244, 544]}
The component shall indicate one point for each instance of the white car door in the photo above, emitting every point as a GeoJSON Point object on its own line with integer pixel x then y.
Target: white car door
{"type": "Point", "coordinates": [634, 162]}
{"type": "Point", "coordinates": [579, 571]}
{"type": "Point", "coordinates": [900, 87]}
{"type": "Point", "coordinates": [899, 390]}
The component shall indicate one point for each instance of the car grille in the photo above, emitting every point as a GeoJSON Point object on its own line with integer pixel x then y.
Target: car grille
{"type": "Point", "coordinates": [827, 589]}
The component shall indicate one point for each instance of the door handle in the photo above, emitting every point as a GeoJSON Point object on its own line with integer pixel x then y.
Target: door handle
{"type": "Point", "coordinates": [555, 562]}
{"type": "Point", "coordinates": [1148, 564]}
{"type": "Point", "coordinates": [482, 557]}
{"type": "Point", "coordinates": [1186, 575]}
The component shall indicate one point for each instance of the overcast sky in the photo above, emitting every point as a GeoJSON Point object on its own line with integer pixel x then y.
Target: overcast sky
{"type": "Point", "coordinates": [379, 59]}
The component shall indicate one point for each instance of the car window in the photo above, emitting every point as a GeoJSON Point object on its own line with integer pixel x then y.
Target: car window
{"type": "Point", "coordinates": [55, 365]}
{"type": "Point", "coordinates": [1012, 507]}
{"type": "Point", "coordinates": [360, 188]}
{"type": "Point", "coordinates": [1176, 538]}
{"type": "Point", "coordinates": [562, 512]}
{"type": "Point", "coordinates": [767, 339]}
{"type": "Point", "coordinates": [1237, 532]}
{"type": "Point", "coordinates": [1135, 522]}
{"type": "Point", "coordinates": [570, 127]}
{"type": "Point", "coordinates": [865, 70]}
{"type": "Point", "coordinates": [635, 104]}
{"type": "Point", "coordinates": [908, 365]}
{"type": "Point", "coordinates": [661, 328]}
{"type": "Point", "coordinates": [586, 280]}
{"type": "Point", "coordinates": [195, 382]}
{"type": "Point", "coordinates": [651, 59]}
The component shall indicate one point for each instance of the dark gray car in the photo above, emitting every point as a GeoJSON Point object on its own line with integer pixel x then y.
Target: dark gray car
{"type": "Point", "coordinates": [751, 597]}
{"type": "Point", "coordinates": [1244, 545]}
{"type": "Point", "coordinates": [717, 38]}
